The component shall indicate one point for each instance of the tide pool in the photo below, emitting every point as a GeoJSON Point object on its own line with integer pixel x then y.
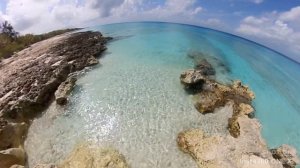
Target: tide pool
{"type": "Point", "coordinates": [134, 101]}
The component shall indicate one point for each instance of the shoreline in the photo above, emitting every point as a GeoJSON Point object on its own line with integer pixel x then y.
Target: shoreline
{"type": "Point", "coordinates": [244, 145]}
{"type": "Point", "coordinates": [29, 79]}
{"type": "Point", "coordinates": [17, 112]}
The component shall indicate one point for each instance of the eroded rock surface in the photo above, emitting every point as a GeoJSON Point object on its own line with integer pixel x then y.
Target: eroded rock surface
{"type": "Point", "coordinates": [30, 78]}
{"type": "Point", "coordinates": [244, 146]}
{"type": "Point", "coordinates": [85, 156]}
{"type": "Point", "coordinates": [64, 89]}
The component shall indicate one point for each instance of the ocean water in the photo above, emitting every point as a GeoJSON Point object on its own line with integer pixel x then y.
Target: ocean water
{"type": "Point", "coordinates": [134, 102]}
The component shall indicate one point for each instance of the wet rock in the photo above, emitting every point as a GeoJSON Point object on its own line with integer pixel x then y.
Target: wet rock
{"type": "Point", "coordinates": [92, 61]}
{"type": "Point", "coordinates": [205, 67]}
{"type": "Point", "coordinates": [85, 156]}
{"type": "Point", "coordinates": [287, 155]}
{"type": "Point", "coordinates": [12, 156]}
{"type": "Point", "coordinates": [214, 95]}
{"type": "Point", "coordinates": [64, 89]}
{"type": "Point", "coordinates": [192, 79]}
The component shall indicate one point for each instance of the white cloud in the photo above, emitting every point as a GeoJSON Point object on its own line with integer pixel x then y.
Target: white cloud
{"type": "Point", "coordinates": [280, 30]}
{"type": "Point", "coordinates": [41, 16]}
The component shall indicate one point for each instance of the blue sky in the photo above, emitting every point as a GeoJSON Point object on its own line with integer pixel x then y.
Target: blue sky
{"type": "Point", "coordinates": [274, 23]}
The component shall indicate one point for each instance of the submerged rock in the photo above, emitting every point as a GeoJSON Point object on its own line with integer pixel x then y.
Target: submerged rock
{"type": "Point", "coordinates": [85, 156]}
{"type": "Point", "coordinates": [64, 89]}
{"type": "Point", "coordinates": [205, 67]}
{"type": "Point", "coordinates": [287, 155]}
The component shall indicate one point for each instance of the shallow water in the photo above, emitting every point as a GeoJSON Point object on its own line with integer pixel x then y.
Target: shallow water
{"type": "Point", "coordinates": [134, 101]}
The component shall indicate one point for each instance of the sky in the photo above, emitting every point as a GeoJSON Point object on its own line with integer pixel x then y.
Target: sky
{"type": "Point", "coordinates": [273, 23]}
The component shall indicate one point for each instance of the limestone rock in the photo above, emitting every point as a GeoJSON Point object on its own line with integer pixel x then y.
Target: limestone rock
{"type": "Point", "coordinates": [29, 81]}
{"type": "Point", "coordinates": [192, 78]}
{"type": "Point", "coordinates": [226, 151]}
{"type": "Point", "coordinates": [64, 89]}
{"type": "Point", "coordinates": [286, 155]}
{"type": "Point", "coordinates": [85, 156]}
{"type": "Point", "coordinates": [92, 61]}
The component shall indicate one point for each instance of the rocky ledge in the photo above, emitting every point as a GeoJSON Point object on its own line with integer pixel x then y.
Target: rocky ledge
{"type": "Point", "coordinates": [29, 80]}
{"type": "Point", "coordinates": [243, 146]}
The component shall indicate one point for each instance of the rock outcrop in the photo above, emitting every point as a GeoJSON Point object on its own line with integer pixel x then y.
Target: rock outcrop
{"type": "Point", "coordinates": [286, 155]}
{"type": "Point", "coordinates": [243, 147]}
{"type": "Point", "coordinates": [30, 78]}
{"type": "Point", "coordinates": [85, 156]}
{"type": "Point", "coordinates": [64, 89]}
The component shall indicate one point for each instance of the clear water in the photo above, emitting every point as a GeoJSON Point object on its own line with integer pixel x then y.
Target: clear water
{"type": "Point", "coordinates": [134, 101]}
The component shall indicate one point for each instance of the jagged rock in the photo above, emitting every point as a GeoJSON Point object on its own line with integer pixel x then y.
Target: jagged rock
{"type": "Point", "coordinates": [12, 135]}
{"type": "Point", "coordinates": [64, 89]}
{"type": "Point", "coordinates": [85, 156]}
{"type": "Point", "coordinates": [214, 95]}
{"type": "Point", "coordinates": [287, 155]}
{"type": "Point", "coordinates": [226, 151]}
{"type": "Point", "coordinates": [192, 79]}
{"type": "Point", "coordinates": [45, 166]}
{"type": "Point", "coordinates": [28, 82]}
{"type": "Point", "coordinates": [205, 67]}
{"type": "Point", "coordinates": [92, 61]}
{"type": "Point", "coordinates": [12, 156]}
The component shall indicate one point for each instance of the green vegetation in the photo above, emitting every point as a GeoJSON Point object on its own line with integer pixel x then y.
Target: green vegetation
{"type": "Point", "coordinates": [11, 41]}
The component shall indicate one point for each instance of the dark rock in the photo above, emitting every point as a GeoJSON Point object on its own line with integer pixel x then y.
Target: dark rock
{"type": "Point", "coordinates": [205, 67]}
{"type": "Point", "coordinates": [286, 155]}
{"type": "Point", "coordinates": [13, 156]}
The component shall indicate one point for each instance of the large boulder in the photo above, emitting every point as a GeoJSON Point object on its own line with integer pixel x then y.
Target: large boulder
{"type": "Point", "coordinates": [64, 89]}
{"type": "Point", "coordinates": [287, 155]}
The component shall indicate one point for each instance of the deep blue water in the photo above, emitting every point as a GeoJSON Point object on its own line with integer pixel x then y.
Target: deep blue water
{"type": "Point", "coordinates": [134, 100]}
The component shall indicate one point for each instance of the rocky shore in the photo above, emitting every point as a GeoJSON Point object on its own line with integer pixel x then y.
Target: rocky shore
{"type": "Point", "coordinates": [243, 146]}
{"type": "Point", "coordinates": [29, 80]}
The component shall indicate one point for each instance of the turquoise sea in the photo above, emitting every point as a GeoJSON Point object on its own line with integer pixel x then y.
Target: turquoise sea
{"type": "Point", "coordinates": [134, 102]}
